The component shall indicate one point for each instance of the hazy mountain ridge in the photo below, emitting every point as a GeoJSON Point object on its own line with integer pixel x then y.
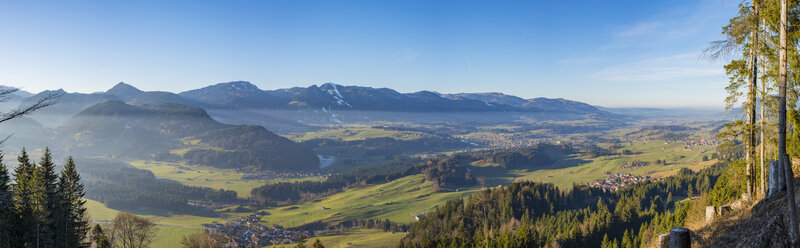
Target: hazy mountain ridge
{"type": "Point", "coordinates": [328, 96]}
{"type": "Point", "coordinates": [528, 105]}
{"type": "Point", "coordinates": [119, 129]}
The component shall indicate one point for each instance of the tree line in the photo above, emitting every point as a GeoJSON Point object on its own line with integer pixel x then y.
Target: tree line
{"type": "Point", "coordinates": [121, 186]}
{"type": "Point", "coordinates": [761, 46]}
{"type": "Point", "coordinates": [443, 172]}
{"type": "Point", "coordinates": [531, 214]}
{"type": "Point", "coordinates": [41, 208]}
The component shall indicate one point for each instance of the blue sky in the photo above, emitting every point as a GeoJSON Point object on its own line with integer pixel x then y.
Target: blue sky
{"type": "Point", "coordinates": [607, 53]}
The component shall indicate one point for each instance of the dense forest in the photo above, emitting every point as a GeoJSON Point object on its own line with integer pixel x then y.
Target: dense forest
{"type": "Point", "coordinates": [121, 186]}
{"type": "Point", "coordinates": [531, 214]}
{"type": "Point", "coordinates": [390, 147]}
{"type": "Point", "coordinates": [443, 172]}
{"type": "Point", "coordinates": [41, 208]}
{"type": "Point", "coordinates": [251, 146]}
{"type": "Point", "coordinates": [531, 157]}
{"type": "Point", "coordinates": [115, 128]}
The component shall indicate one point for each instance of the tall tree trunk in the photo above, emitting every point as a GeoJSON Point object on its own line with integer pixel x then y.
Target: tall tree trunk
{"type": "Point", "coordinates": [751, 113]}
{"type": "Point", "coordinates": [751, 95]}
{"type": "Point", "coordinates": [763, 125]}
{"type": "Point", "coordinates": [784, 158]}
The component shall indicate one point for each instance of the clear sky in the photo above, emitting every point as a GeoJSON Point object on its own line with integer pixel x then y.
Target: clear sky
{"type": "Point", "coordinates": [607, 53]}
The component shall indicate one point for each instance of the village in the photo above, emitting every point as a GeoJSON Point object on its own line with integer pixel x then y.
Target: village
{"type": "Point", "coordinates": [249, 232]}
{"type": "Point", "coordinates": [618, 180]}
{"type": "Point", "coordinates": [504, 140]}
{"type": "Point", "coordinates": [270, 175]}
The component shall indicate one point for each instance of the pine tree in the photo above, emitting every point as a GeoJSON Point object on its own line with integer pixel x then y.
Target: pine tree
{"type": "Point", "coordinates": [24, 189]}
{"type": "Point", "coordinates": [317, 244]}
{"type": "Point", "coordinates": [48, 202]}
{"type": "Point", "coordinates": [301, 243]}
{"type": "Point", "coordinates": [606, 243]}
{"type": "Point", "coordinates": [6, 206]}
{"type": "Point", "coordinates": [72, 220]}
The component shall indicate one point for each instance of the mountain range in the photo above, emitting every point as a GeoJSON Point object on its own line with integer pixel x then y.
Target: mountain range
{"type": "Point", "coordinates": [329, 96]}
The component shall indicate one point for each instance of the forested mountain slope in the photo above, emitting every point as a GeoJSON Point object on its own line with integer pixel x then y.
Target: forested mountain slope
{"type": "Point", "coordinates": [118, 129]}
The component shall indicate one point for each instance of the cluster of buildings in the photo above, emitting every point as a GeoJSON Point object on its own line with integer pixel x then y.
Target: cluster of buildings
{"type": "Point", "coordinates": [634, 164]}
{"type": "Point", "coordinates": [249, 232]}
{"type": "Point", "coordinates": [701, 142]}
{"type": "Point", "coordinates": [504, 140]}
{"type": "Point", "coordinates": [269, 175]}
{"type": "Point", "coordinates": [618, 180]}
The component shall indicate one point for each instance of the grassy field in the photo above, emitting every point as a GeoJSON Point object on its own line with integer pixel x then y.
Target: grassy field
{"type": "Point", "coordinates": [676, 154]}
{"type": "Point", "coordinates": [370, 238]}
{"type": "Point", "coordinates": [397, 201]}
{"type": "Point", "coordinates": [168, 236]}
{"type": "Point", "coordinates": [204, 176]}
{"type": "Point", "coordinates": [358, 133]}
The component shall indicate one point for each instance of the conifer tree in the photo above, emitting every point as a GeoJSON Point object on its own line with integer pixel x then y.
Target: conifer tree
{"type": "Point", "coordinates": [72, 213]}
{"type": "Point", "coordinates": [24, 189]}
{"type": "Point", "coordinates": [318, 244]}
{"type": "Point", "coordinates": [6, 206]}
{"type": "Point", "coordinates": [48, 199]}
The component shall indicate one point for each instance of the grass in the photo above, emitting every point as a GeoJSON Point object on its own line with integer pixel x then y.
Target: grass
{"type": "Point", "coordinates": [204, 176]}
{"type": "Point", "coordinates": [397, 201]}
{"type": "Point", "coordinates": [171, 236]}
{"type": "Point", "coordinates": [359, 133]}
{"type": "Point", "coordinates": [356, 238]}
{"type": "Point", "coordinates": [190, 144]}
{"type": "Point", "coordinates": [99, 212]}
{"type": "Point", "coordinates": [167, 236]}
{"type": "Point", "coordinates": [675, 153]}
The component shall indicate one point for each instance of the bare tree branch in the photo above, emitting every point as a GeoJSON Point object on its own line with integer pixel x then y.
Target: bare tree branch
{"type": "Point", "coordinates": [5, 92]}
{"type": "Point", "coordinates": [45, 101]}
{"type": "Point", "coordinates": [719, 50]}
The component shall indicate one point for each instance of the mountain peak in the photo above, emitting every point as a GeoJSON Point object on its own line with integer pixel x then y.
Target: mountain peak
{"type": "Point", "coordinates": [124, 91]}
{"type": "Point", "coordinates": [240, 86]}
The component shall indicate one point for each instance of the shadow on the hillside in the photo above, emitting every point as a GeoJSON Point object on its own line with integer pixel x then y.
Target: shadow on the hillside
{"type": "Point", "coordinates": [497, 175]}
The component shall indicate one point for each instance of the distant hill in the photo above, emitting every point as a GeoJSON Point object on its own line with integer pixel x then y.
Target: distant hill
{"type": "Point", "coordinates": [68, 105]}
{"type": "Point", "coordinates": [540, 104]}
{"type": "Point", "coordinates": [235, 95]}
{"type": "Point", "coordinates": [119, 129]}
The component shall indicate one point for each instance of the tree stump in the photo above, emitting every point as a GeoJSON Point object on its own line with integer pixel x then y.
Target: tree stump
{"type": "Point", "coordinates": [711, 212]}
{"type": "Point", "coordinates": [663, 240]}
{"type": "Point", "coordinates": [680, 238]}
{"type": "Point", "coordinates": [777, 180]}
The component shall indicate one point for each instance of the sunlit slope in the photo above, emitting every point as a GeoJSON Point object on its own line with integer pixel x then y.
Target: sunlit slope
{"type": "Point", "coordinates": [204, 176]}
{"type": "Point", "coordinates": [397, 201]}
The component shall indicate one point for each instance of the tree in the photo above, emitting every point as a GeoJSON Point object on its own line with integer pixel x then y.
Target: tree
{"type": "Point", "coordinates": [317, 244]}
{"type": "Point", "coordinates": [742, 34]}
{"type": "Point", "coordinates": [131, 231]}
{"type": "Point", "coordinates": [48, 202]}
{"type": "Point", "coordinates": [783, 157]}
{"type": "Point", "coordinates": [6, 206]}
{"type": "Point", "coordinates": [301, 243]}
{"type": "Point", "coordinates": [99, 237]}
{"type": "Point", "coordinates": [200, 240]}
{"type": "Point", "coordinates": [24, 188]}
{"type": "Point", "coordinates": [72, 212]}
{"type": "Point", "coordinates": [754, 20]}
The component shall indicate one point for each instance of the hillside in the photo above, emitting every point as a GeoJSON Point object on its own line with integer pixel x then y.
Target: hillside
{"type": "Point", "coordinates": [118, 129]}
{"type": "Point", "coordinates": [539, 104]}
